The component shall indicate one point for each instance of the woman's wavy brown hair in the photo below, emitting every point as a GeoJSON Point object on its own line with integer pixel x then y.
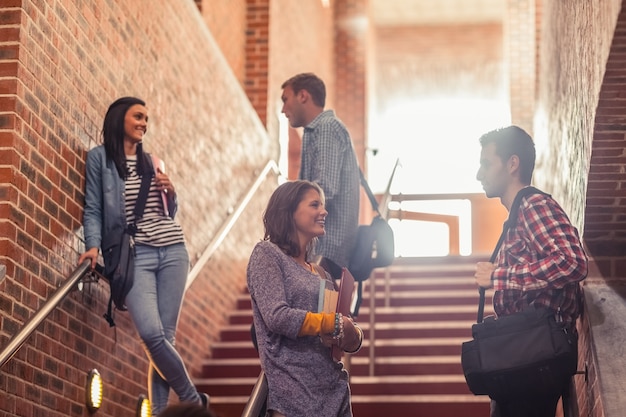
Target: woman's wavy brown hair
{"type": "Point", "coordinates": [280, 227]}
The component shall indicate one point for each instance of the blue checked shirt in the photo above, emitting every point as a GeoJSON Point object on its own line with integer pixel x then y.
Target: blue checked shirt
{"type": "Point", "coordinates": [328, 159]}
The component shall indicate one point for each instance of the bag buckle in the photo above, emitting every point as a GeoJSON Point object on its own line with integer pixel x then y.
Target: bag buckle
{"type": "Point", "coordinates": [558, 316]}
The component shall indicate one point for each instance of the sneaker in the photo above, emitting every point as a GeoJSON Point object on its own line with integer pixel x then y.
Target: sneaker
{"type": "Point", "coordinates": [205, 399]}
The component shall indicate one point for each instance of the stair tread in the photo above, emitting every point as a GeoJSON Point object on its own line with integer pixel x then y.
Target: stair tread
{"type": "Point", "coordinates": [384, 310]}
{"type": "Point", "coordinates": [409, 341]}
{"type": "Point", "coordinates": [405, 360]}
{"type": "Point", "coordinates": [448, 293]}
{"type": "Point", "coordinates": [430, 324]}
{"type": "Point", "coordinates": [387, 379]}
{"type": "Point", "coordinates": [406, 379]}
{"type": "Point", "coordinates": [355, 359]}
{"type": "Point", "coordinates": [435, 398]}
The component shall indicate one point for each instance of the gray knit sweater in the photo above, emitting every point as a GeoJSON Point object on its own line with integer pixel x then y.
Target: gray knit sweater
{"type": "Point", "coordinates": [303, 379]}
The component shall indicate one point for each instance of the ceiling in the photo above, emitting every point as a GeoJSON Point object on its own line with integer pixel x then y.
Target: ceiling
{"type": "Point", "coordinates": [428, 12]}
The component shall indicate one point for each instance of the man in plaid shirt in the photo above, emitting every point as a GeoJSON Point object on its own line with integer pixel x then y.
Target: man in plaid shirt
{"type": "Point", "coordinates": [541, 260]}
{"type": "Point", "coordinates": [328, 159]}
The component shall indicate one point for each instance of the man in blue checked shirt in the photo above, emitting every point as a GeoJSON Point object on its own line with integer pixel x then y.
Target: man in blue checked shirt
{"type": "Point", "coordinates": [328, 159]}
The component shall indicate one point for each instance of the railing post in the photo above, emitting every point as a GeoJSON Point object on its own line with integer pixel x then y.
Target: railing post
{"type": "Point", "coordinates": [372, 355]}
{"type": "Point", "coordinates": [387, 287]}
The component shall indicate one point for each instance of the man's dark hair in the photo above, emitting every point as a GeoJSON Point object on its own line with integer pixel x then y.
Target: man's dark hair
{"type": "Point", "coordinates": [309, 82]}
{"type": "Point", "coordinates": [513, 140]}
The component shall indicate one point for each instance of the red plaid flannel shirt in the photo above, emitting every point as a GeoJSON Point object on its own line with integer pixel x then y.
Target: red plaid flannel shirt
{"type": "Point", "coordinates": [541, 261]}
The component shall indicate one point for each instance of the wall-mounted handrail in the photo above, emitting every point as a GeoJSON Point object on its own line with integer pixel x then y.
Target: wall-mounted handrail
{"type": "Point", "coordinates": [18, 340]}
{"type": "Point", "coordinates": [452, 221]}
{"type": "Point", "coordinates": [230, 222]}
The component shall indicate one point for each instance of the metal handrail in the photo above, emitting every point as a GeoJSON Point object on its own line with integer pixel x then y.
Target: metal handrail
{"type": "Point", "coordinates": [230, 222]}
{"type": "Point", "coordinates": [18, 340]}
{"type": "Point", "coordinates": [257, 398]}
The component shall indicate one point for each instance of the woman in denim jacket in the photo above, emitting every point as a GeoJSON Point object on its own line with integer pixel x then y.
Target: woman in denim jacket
{"type": "Point", "coordinates": [113, 176]}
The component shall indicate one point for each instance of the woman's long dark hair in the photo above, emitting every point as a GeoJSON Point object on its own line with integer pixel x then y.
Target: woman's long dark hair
{"type": "Point", "coordinates": [280, 227]}
{"type": "Point", "coordinates": [113, 135]}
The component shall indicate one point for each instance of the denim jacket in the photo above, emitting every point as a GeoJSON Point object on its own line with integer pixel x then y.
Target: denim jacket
{"type": "Point", "coordinates": [104, 217]}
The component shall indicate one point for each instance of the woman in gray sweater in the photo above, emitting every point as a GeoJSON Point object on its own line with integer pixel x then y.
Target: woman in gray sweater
{"type": "Point", "coordinates": [294, 340]}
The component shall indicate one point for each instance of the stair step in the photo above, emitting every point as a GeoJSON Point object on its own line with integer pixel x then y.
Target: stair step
{"type": "Point", "coordinates": [420, 405]}
{"type": "Point", "coordinates": [230, 350]}
{"type": "Point", "coordinates": [405, 365]}
{"type": "Point", "coordinates": [409, 384]}
{"type": "Point", "coordinates": [439, 328]}
{"type": "Point", "coordinates": [408, 298]}
{"type": "Point", "coordinates": [360, 385]}
{"type": "Point", "coordinates": [234, 368]}
{"type": "Point", "coordinates": [386, 314]}
{"type": "Point", "coordinates": [377, 405]}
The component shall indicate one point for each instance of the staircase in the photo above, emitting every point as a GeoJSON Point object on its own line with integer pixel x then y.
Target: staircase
{"type": "Point", "coordinates": [424, 309]}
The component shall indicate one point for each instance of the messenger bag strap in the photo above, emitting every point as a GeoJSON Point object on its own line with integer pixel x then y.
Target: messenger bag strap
{"type": "Point", "coordinates": [369, 192]}
{"type": "Point", "coordinates": [138, 210]}
{"type": "Point", "coordinates": [144, 189]}
{"type": "Point", "coordinates": [508, 224]}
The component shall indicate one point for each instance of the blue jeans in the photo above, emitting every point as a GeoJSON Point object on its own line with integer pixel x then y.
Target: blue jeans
{"type": "Point", "coordinates": [154, 304]}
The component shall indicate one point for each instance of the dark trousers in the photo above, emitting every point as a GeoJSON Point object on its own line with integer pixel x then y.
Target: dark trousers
{"type": "Point", "coordinates": [535, 406]}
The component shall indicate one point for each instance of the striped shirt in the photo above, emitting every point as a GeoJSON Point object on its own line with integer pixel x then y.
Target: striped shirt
{"type": "Point", "coordinates": [541, 261]}
{"type": "Point", "coordinates": [155, 228]}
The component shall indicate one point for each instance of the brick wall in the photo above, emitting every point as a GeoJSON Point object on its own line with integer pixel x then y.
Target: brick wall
{"type": "Point", "coordinates": [579, 147]}
{"type": "Point", "coordinates": [605, 230]}
{"type": "Point", "coordinates": [226, 19]}
{"type": "Point", "coordinates": [257, 55]}
{"type": "Point", "coordinates": [519, 35]}
{"type": "Point", "coordinates": [439, 61]}
{"type": "Point", "coordinates": [575, 46]}
{"type": "Point", "coordinates": [61, 64]}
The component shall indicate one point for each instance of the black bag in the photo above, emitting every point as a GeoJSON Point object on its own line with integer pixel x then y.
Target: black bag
{"type": "Point", "coordinates": [520, 355]}
{"type": "Point", "coordinates": [374, 246]}
{"type": "Point", "coordinates": [120, 268]}
{"type": "Point", "coordinates": [119, 258]}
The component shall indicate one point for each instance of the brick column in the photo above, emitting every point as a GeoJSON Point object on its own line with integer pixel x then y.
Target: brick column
{"type": "Point", "coordinates": [520, 54]}
{"type": "Point", "coordinates": [352, 42]}
{"type": "Point", "coordinates": [257, 55]}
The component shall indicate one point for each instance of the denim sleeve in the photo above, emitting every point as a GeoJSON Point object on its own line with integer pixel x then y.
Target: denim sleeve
{"type": "Point", "coordinates": [92, 213]}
